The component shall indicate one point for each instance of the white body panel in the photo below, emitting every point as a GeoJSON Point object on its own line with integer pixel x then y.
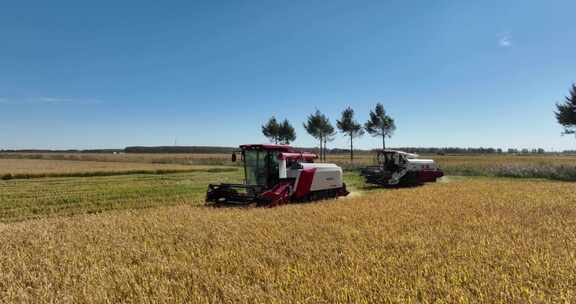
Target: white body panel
{"type": "Point", "coordinates": [283, 172]}
{"type": "Point", "coordinates": [421, 164]}
{"type": "Point", "coordinates": [326, 176]}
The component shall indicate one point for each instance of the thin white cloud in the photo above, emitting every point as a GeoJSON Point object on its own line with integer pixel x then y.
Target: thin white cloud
{"type": "Point", "coordinates": [53, 100]}
{"type": "Point", "coordinates": [505, 40]}
{"type": "Point", "coordinates": [48, 101]}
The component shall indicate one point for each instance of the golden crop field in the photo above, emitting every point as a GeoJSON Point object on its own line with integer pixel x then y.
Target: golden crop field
{"type": "Point", "coordinates": [462, 240]}
{"type": "Point", "coordinates": [43, 167]}
{"type": "Point", "coordinates": [25, 199]}
{"type": "Point", "coordinates": [485, 161]}
{"type": "Point", "coordinates": [477, 160]}
{"type": "Point", "coordinates": [474, 164]}
{"type": "Point", "coordinates": [137, 236]}
{"type": "Point", "coordinates": [560, 167]}
{"type": "Point", "coordinates": [167, 158]}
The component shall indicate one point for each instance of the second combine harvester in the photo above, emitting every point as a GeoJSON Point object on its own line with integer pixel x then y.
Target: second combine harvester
{"type": "Point", "coordinates": [276, 175]}
{"type": "Point", "coordinates": [395, 168]}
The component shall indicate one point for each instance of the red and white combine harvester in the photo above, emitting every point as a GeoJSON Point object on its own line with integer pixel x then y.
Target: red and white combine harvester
{"type": "Point", "coordinates": [276, 175]}
{"type": "Point", "coordinates": [401, 168]}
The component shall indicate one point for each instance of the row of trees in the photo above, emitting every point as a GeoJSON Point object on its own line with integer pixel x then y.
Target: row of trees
{"type": "Point", "coordinates": [318, 125]}
{"type": "Point", "coordinates": [382, 125]}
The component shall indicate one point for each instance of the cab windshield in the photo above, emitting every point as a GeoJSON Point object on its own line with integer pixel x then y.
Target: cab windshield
{"type": "Point", "coordinates": [261, 167]}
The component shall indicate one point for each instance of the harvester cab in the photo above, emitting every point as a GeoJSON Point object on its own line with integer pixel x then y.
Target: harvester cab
{"type": "Point", "coordinates": [277, 174]}
{"type": "Point", "coordinates": [398, 167]}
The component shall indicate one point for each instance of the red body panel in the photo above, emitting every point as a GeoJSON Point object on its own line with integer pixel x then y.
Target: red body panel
{"type": "Point", "coordinates": [304, 182]}
{"type": "Point", "coordinates": [278, 195]}
{"type": "Point", "coordinates": [297, 156]}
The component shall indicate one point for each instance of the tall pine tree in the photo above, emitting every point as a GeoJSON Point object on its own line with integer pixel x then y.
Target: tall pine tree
{"type": "Point", "coordinates": [349, 126]}
{"type": "Point", "coordinates": [312, 126]}
{"type": "Point", "coordinates": [327, 131]}
{"type": "Point", "coordinates": [318, 126]}
{"type": "Point", "coordinates": [566, 112]}
{"type": "Point", "coordinates": [286, 132]}
{"type": "Point", "coordinates": [380, 124]}
{"type": "Point", "coordinates": [272, 130]}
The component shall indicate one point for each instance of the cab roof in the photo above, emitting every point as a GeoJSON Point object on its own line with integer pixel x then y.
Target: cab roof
{"type": "Point", "coordinates": [408, 155]}
{"type": "Point", "coordinates": [286, 151]}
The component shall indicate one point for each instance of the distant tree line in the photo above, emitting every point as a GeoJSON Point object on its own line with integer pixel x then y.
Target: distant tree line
{"type": "Point", "coordinates": [179, 149]}
{"type": "Point", "coordinates": [61, 151]}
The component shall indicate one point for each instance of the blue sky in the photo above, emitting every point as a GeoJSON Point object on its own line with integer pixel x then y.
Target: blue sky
{"type": "Point", "coordinates": [109, 74]}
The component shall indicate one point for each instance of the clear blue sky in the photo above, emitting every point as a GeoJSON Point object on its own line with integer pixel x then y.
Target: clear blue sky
{"type": "Point", "coordinates": [108, 74]}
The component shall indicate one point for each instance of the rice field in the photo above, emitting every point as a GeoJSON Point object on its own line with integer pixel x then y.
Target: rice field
{"type": "Point", "coordinates": [38, 198]}
{"type": "Point", "coordinates": [28, 168]}
{"type": "Point", "coordinates": [542, 166]}
{"type": "Point", "coordinates": [463, 240]}
{"type": "Point", "coordinates": [482, 160]}
{"type": "Point", "coordinates": [475, 161]}
{"type": "Point", "coordinates": [136, 236]}
{"type": "Point", "coordinates": [562, 167]}
{"type": "Point", "coordinates": [155, 158]}
{"type": "Point", "coordinates": [557, 167]}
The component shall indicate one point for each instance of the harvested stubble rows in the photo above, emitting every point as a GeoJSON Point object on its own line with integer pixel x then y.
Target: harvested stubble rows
{"type": "Point", "coordinates": [477, 240]}
{"type": "Point", "coordinates": [156, 158]}
{"type": "Point", "coordinates": [37, 198]}
{"type": "Point", "coordinates": [36, 168]}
